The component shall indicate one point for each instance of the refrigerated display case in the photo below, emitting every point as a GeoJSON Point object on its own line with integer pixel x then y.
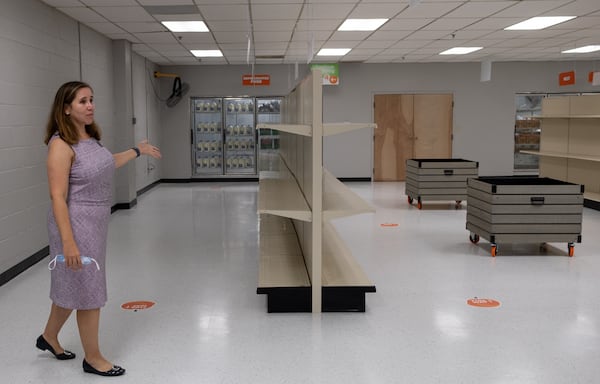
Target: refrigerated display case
{"type": "Point", "coordinates": [207, 136]}
{"type": "Point", "coordinates": [268, 111]}
{"type": "Point", "coordinates": [240, 136]}
{"type": "Point", "coordinates": [225, 142]}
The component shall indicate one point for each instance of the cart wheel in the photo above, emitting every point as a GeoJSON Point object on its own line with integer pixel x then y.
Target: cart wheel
{"type": "Point", "coordinates": [458, 204]}
{"type": "Point", "coordinates": [419, 204]}
{"type": "Point", "coordinates": [474, 238]}
{"type": "Point", "coordinates": [410, 200]}
{"type": "Point", "coordinates": [571, 250]}
{"type": "Point", "coordinates": [494, 250]}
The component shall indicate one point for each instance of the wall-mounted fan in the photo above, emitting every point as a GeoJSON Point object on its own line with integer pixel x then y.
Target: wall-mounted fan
{"type": "Point", "coordinates": [179, 88]}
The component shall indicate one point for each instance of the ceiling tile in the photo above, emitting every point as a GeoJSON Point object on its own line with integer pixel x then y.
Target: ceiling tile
{"type": "Point", "coordinates": [143, 27]}
{"type": "Point", "coordinates": [318, 25]}
{"type": "Point", "coordinates": [108, 3]}
{"type": "Point", "coordinates": [443, 24]}
{"type": "Point", "coordinates": [105, 28]}
{"type": "Point", "coordinates": [195, 38]}
{"type": "Point", "coordinates": [474, 9]}
{"type": "Point", "coordinates": [428, 35]}
{"type": "Point", "coordinates": [349, 35]}
{"type": "Point", "coordinates": [156, 37]}
{"type": "Point", "coordinates": [162, 2]}
{"type": "Point", "coordinates": [428, 10]}
{"type": "Point", "coordinates": [527, 9]}
{"type": "Point", "coordinates": [229, 26]}
{"type": "Point", "coordinates": [118, 14]}
{"type": "Point", "coordinates": [273, 25]}
{"type": "Point", "coordinates": [83, 14]}
{"type": "Point", "coordinates": [406, 24]}
{"type": "Point", "coordinates": [276, 11]}
{"type": "Point", "coordinates": [272, 36]}
{"type": "Point", "coordinates": [225, 12]}
{"type": "Point", "coordinates": [377, 10]}
{"type": "Point", "coordinates": [373, 44]}
{"type": "Point", "coordinates": [231, 37]}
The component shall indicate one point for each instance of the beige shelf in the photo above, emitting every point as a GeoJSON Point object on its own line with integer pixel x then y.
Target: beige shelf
{"type": "Point", "coordinates": [563, 155]}
{"type": "Point", "coordinates": [339, 200]}
{"type": "Point", "coordinates": [591, 196]}
{"type": "Point", "coordinates": [298, 129]}
{"type": "Point", "coordinates": [340, 269]}
{"type": "Point", "coordinates": [281, 262]}
{"type": "Point", "coordinates": [571, 117]}
{"type": "Point", "coordinates": [336, 128]}
{"type": "Point", "coordinates": [279, 194]}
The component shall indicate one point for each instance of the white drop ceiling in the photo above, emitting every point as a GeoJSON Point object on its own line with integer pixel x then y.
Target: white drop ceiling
{"type": "Point", "coordinates": [288, 31]}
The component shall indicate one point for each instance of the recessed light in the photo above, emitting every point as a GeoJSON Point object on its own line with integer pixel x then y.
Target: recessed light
{"type": "Point", "coordinates": [536, 23]}
{"type": "Point", "coordinates": [185, 26]}
{"type": "Point", "coordinates": [333, 51]}
{"type": "Point", "coordinates": [207, 53]}
{"type": "Point", "coordinates": [586, 49]}
{"type": "Point", "coordinates": [361, 24]}
{"type": "Point", "coordinates": [460, 50]}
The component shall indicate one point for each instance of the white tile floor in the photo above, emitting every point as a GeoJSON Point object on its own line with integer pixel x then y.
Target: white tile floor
{"type": "Point", "coordinates": [192, 249]}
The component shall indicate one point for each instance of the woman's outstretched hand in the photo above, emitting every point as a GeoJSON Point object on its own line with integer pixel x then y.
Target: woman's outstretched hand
{"type": "Point", "coordinates": [149, 149]}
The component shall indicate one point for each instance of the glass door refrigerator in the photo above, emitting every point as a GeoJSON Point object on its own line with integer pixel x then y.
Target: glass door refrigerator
{"type": "Point", "coordinates": [240, 136]}
{"type": "Point", "coordinates": [207, 136]}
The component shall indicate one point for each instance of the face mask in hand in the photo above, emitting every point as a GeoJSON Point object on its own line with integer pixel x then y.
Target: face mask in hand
{"type": "Point", "coordinates": [61, 259]}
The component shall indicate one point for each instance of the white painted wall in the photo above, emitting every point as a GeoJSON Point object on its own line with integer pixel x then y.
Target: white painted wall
{"type": "Point", "coordinates": [40, 50]}
{"type": "Point", "coordinates": [483, 112]}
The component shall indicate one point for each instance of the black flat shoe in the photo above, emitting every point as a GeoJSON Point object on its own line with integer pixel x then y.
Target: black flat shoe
{"type": "Point", "coordinates": [114, 371]}
{"type": "Point", "coordinates": [42, 344]}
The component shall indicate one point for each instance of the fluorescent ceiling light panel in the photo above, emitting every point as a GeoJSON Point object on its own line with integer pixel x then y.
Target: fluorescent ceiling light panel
{"type": "Point", "coordinates": [586, 49]}
{"type": "Point", "coordinates": [361, 24]}
{"type": "Point", "coordinates": [333, 51]}
{"type": "Point", "coordinates": [185, 26]}
{"type": "Point", "coordinates": [460, 50]}
{"type": "Point", "coordinates": [207, 53]}
{"type": "Point", "coordinates": [536, 23]}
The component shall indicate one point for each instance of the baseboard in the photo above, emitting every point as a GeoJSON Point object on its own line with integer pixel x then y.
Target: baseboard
{"type": "Point", "coordinates": [593, 204]}
{"type": "Point", "coordinates": [210, 179]}
{"type": "Point", "coordinates": [350, 179]}
{"type": "Point", "coordinates": [15, 271]}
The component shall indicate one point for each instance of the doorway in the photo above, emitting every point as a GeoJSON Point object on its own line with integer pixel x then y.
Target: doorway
{"type": "Point", "coordinates": [410, 126]}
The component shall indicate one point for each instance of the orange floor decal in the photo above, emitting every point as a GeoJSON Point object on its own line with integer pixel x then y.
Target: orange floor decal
{"type": "Point", "coordinates": [137, 305]}
{"type": "Point", "coordinates": [388, 225]}
{"type": "Point", "coordinates": [485, 303]}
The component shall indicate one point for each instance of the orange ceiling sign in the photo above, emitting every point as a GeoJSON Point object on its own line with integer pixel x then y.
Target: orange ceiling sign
{"type": "Point", "coordinates": [256, 79]}
{"type": "Point", "coordinates": [484, 303]}
{"type": "Point", "coordinates": [137, 305]}
{"type": "Point", "coordinates": [566, 78]}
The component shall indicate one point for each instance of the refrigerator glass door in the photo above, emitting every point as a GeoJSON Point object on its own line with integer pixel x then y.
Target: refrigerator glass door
{"type": "Point", "coordinates": [207, 135]}
{"type": "Point", "coordinates": [240, 136]}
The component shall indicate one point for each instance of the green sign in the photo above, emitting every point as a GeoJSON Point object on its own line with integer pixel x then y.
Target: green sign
{"type": "Point", "coordinates": [330, 73]}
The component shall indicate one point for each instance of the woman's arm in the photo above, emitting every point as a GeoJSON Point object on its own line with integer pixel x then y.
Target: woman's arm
{"type": "Point", "coordinates": [124, 157]}
{"type": "Point", "coordinates": [58, 163]}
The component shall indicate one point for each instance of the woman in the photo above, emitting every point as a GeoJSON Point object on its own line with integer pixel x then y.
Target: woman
{"type": "Point", "coordinates": [80, 175]}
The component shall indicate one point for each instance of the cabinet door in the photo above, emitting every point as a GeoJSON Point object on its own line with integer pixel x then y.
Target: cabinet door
{"type": "Point", "coordinates": [207, 143]}
{"type": "Point", "coordinates": [240, 136]}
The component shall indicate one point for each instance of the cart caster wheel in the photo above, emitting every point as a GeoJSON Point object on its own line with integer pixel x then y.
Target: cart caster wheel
{"type": "Point", "coordinates": [410, 200]}
{"type": "Point", "coordinates": [571, 250]}
{"type": "Point", "coordinates": [419, 204]}
{"type": "Point", "coordinates": [474, 238]}
{"type": "Point", "coordinates": [494, 250]}
{"type": "Point", "coordinates": [457, 205]}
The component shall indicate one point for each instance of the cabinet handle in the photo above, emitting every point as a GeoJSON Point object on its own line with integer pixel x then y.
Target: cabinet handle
{"type": "Point", "coordinates": [537, 200]}
{"type": "Point", "coordinates": [448, 172]}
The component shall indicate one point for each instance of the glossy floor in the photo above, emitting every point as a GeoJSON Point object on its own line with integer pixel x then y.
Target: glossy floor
{"type": "Point", "coordinates": [192, 249]}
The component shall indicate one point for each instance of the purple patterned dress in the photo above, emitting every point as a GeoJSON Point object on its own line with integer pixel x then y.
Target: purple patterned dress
{"type": "Point", "coordinates": [89, 201]}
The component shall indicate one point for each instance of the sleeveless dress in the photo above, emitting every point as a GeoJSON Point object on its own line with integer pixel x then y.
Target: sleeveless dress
{"type": "Point", "coordinates": [89, 201]}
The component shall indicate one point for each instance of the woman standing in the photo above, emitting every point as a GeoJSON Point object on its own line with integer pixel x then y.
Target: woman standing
{"type": "Point", "coordinates": [80, 176]}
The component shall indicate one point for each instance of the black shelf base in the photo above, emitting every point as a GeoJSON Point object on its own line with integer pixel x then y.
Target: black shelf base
{"type": "Point", "coordinates": [298, 299]}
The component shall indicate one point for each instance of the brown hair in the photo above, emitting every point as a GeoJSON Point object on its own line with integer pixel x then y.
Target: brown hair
{"type": "Point", "coordinates": [59, 122]}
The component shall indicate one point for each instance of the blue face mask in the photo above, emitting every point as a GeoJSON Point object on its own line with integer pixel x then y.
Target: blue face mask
{"type": "Point", "coordinates": [61, 259]}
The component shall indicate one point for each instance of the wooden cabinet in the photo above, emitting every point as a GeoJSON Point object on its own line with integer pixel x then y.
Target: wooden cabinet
{"type": "Point", "coordinates": [570, 143]}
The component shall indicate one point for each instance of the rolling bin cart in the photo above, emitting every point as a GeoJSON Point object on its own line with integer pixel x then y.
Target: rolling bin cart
{"type": "Point", "coordinates": [518, 209]}
{"type": "Point", "coordinates": [438, 179]}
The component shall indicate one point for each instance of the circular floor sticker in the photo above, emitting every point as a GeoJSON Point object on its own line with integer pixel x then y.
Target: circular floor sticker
{"type": "Point", "coordinates": [137, 305]}
{"type": "Point", "coordinates": [484, 303]}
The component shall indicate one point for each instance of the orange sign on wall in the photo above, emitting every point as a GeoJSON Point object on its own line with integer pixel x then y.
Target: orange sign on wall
{"type": "Point", "coordinates": [256, 79]}
{"type": "Point", "coordinates": [566, 78]}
